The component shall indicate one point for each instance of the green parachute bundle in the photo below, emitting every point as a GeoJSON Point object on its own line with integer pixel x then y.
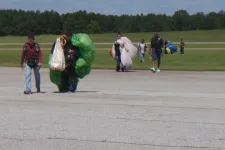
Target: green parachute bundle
{"type": "Point", "coordinates": [84, 62]}
{"type": "Point", "coordinates": [87, 53]}
{"type": "Point", "coordinates": [86, 46]}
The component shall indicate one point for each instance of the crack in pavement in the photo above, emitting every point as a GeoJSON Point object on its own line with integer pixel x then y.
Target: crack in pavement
{"type": "Point", "coordinates": [111, 142]}
{"type": "Point", "coordinates": [151, 120]}
{"type": "Point", "coordinates": [112, 104]}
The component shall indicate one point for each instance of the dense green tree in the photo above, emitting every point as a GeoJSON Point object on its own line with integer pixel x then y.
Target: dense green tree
{"type": "Point", "coordinates": [20, 22]}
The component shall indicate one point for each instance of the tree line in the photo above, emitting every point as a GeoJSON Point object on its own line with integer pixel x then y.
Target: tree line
{"type": "Point", "coordinates": [20, 22]}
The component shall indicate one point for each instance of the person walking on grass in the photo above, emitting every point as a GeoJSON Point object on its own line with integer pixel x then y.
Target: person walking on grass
{"type": "Point", "coordinates": [142, 49]}
{"type": "Point", "coordinates": [181, 46]}
{"type": "Point", "coordinates": [118, 54]}
{"type": "Point", "coordinates": [31, 58]}
{"type": "Point", "coordinates": [155, 50]}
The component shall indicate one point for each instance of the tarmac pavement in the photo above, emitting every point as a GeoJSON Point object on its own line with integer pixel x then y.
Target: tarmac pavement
{"type": "Point", "coordinates": [137, 110]}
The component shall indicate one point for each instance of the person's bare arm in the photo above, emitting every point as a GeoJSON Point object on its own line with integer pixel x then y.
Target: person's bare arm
{"type": "Point", "coordinates": [164, 48]}
{"type": "Point", "coordinates": [40, 57]}
{"type": "Point", "coordinates": [145, 47]}
{"type": "Point", "coordinates": [150, 48]}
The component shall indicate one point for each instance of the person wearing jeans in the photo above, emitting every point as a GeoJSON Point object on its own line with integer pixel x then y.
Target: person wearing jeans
{"type": "Point", "coordinates": [28, 72]}
{"type": "Point", "coordinates": [155, 50]}
{"type": "Point", "coordinates": [31, 57]}
{"type": "Point", "coordinates": [142, 48]}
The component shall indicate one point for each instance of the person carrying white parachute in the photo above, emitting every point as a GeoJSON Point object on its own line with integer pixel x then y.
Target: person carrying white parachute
{"type": "Point", "coordinates": [124, 52]}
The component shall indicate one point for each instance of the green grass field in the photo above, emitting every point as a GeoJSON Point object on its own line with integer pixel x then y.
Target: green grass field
{"type": "Point", "coordinates": [188, 36]}
{"type": "Point", "coordinates": [208, 59]}
{"type": "Point", "coordinates": [192, 60]}
{"type": "Point", "coordinates": [108, 46]}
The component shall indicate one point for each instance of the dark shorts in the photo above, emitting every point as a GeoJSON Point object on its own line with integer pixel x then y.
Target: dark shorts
{"type": "Point", "coordinates": [156, 54]}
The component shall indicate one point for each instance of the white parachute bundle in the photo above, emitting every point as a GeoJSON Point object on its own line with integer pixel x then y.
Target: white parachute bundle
{"type": "Point", "coordinates": [58, 59]}
{"type": "Point", "coordinates": [128, 52]}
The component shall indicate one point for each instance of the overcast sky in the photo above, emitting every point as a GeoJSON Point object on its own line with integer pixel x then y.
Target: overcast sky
{"type": "Point", "coordinates": [116, 6]}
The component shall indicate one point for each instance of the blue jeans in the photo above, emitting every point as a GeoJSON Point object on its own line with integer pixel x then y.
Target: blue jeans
{"type": "Point", "coordinates": [142, 57]}
{"type": "Point", "coordinates": [28, 71]}
{"type": "Point", "coordinates": [182, 50]}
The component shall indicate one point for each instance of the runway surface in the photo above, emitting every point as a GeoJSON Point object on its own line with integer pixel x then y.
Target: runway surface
{"type": "Point", "coordinates": [137, 110]}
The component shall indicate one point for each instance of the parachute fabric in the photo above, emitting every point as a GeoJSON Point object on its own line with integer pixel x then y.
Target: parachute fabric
{"type": "Point", "coordinates": [55, 75]}
{"type": "Point", "coordinates": [87, 53]}
{"type": "Point", "coordinates": [128, 52]}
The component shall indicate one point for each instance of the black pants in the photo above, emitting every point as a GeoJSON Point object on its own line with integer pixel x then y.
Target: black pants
{"type": "Point", "coordinates": [156, 55]}
{"type": "Point", "coordinates": [69, 80]}
{"type": "Point", "coordinates": [182, 50]}
{"type": "Point", "coordinates": [118, 62]}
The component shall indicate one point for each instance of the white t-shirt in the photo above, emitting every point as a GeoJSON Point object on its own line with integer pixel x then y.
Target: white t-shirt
{"type": "Point", "coordinates": [142, 47]}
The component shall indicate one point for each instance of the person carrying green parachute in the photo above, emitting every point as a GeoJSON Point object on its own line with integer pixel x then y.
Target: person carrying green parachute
{"type": "Point", "coordinates": [70, 60]}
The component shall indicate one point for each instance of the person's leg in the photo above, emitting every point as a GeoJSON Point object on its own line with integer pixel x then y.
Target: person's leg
{"type": "Point", "coordinates": [118, 61]}
{"type": "Point", "coordinates": [28, 70]}
{"type": "Point", "coordinates": [142, 57]}
{"type": "Point", "coordinates": [153, 64]}
{"type": "Point", "coordinates": [73, 82]}
{"type": "Point", "coordinates": [154, 58]}
{"type": "Point", "coordinates": [73, 79]}
{"type": "Point", "coordinates": [63, 87]}
{"type": "Point", "coordinates": [37, 78]}
{"type": "Point", "coordinates": [159, 60]}
{"type": "Point", "coordinates": [182, 50]}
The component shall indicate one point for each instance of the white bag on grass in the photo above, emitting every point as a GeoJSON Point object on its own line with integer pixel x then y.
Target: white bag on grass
{"type": "Point", "coordinates": [58, 59]}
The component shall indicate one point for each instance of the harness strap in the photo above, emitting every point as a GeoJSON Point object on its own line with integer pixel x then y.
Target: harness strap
{"type": "Point", "coordinates": [27, 58]}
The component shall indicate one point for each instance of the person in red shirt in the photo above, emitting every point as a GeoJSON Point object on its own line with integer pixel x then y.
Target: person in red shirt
{"type": "Point", "coordinates": [31, 58]}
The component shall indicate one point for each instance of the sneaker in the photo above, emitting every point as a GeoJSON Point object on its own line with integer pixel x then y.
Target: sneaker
{"type": "Point", "coordinates": [153, 69]}
{"type": "Point", "coordinates": [158, 70]}
{"type": "Point", "coordinates": [27, 92]}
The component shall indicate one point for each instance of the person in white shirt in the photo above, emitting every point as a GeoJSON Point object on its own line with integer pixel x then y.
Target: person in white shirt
{"type": "Point", "coordinates": [141, 49]}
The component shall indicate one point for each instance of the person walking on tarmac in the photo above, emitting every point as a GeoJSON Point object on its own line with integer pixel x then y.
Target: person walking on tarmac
{"type": "Point", "coordinates": [142, 49]}
{"type": "Point", "coordinates": [182, 46]}
{"type": "Point", "coordinates": [69, 78]}
{"type": "Point", "coordinates": [118, 54]}
{"type": "Point", "coordinates": [156, 50]}
{"type": "Point", "coordinates": [31, 57]}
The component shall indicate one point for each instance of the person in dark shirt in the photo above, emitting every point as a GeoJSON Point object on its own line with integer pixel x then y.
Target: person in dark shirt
{"type": "Point", "coordinates": [69, 76]}
{"type": "Point", "coordinates": [156, 50]}
{"type": "Point", "coordinates": [182, 46]}
{"type": "Point", "coordinates": [118, 54]}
